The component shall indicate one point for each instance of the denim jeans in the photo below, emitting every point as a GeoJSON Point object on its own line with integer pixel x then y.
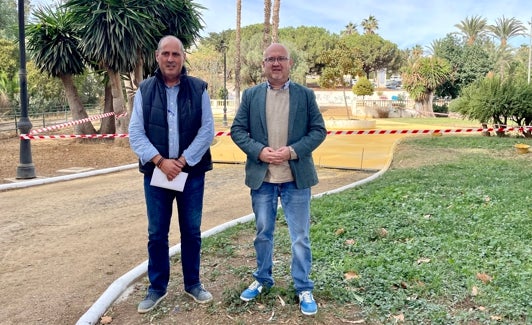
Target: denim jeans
{"type": "Point", "coordinates": [159, 203]}
{"type": "Point", "coordinates": [296, 206]}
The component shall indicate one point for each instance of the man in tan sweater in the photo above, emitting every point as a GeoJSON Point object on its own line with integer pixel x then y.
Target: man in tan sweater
{"type": "Point", "coordinates": [278, 126]}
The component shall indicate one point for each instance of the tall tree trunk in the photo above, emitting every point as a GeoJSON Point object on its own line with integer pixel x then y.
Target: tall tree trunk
{"type": "Point", "coordinates": [76, 107]}
{"type": "Point", "coordinates": [121, 118]}
{"type": "Point", "coordinates": [427, 110]}
{"type": "Point", "coordinates": [108, 124]}
{"type": "Point", "coordinates": [266, 37]}
{"type": "Point", "coordinates": [238, 62]}
{"type": "Point", "coordinates": [275, 20]}
{"type": "Point", "coordinates": [136, 77]}
{"type": "Point", "coordinates": [346, 107]}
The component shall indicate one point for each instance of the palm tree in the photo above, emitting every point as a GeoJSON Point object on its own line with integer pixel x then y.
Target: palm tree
{"type": "Point", "coordinates": [275, 20]}
{"type": "Point", "coordinates": [113, 42]}
{"type": "Point", "coordinates": [501, 56]}
{"type": "Point", "coordinates": [266, 37]}
{"type": "Point", "coordinates": [472, 28]}
{"type": "Point", "coordinates": [506, 28]}
{"type": "Point", "coordinates": [423, 77]}
{"type": "Point", "coordinates": [435, 47]}
{"type": "Point", "coordinates": [238, 61]}
{"type": "Point", "coordinates": [54, 47]}
{"type": "Point", "coordinates": [370, 25]}
{"type": "Point", "coordinates": [119, 35]}
{"type": "Point", "coordinates": [350, 29]}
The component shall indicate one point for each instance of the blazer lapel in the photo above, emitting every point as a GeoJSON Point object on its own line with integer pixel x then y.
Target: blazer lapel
{"type": "Point", "coordinates": [292, 110]}
{"type": "Point", "coordinates": [261, 106]}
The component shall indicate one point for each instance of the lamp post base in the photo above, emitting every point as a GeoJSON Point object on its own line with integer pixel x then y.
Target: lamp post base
{"type": "Point", "coordinates": [25, 171]}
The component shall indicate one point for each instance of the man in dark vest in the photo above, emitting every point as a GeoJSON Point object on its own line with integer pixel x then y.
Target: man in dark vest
{"type": "Point", "coordinates": [171, 130]}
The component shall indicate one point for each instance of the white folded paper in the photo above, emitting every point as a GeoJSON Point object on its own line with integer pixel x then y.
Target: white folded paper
{"type": "Point", "coordinates": [159, 179]}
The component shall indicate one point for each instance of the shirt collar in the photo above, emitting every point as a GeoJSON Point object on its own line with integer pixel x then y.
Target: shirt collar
{"type": "Point", "coordinates": [285, 86]}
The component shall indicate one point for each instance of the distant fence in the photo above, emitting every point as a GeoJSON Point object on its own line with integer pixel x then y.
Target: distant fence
{"type": "Point", "coordinates": [59, 114]}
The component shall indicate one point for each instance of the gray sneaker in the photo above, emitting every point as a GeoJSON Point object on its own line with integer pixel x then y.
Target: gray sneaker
{"type": "Point", "coordinates": [151, 301]}
{"type": "Point", "coordinates": [200, 295]}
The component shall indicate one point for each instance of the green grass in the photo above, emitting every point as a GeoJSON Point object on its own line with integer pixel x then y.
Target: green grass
{"type": "Point", "coordinates": [419, 237]}
{"type": "Point", "coordinates": [450, 122]}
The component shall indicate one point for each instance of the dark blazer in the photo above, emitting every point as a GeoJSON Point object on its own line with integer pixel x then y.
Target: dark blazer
{"type": "Point", "coordinates": [306, 131]}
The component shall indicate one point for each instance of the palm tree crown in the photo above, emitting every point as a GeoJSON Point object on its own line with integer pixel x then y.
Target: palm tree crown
{"type": "Point", "coordinates": [370, 25]}
{"type": "Point", "coordinates": [506, 28]}
{"type": "Point", "coordinates": [472, 28]}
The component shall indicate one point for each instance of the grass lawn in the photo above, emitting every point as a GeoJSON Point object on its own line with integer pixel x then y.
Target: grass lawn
{"type": "Point", "coordinates": [443, 237]}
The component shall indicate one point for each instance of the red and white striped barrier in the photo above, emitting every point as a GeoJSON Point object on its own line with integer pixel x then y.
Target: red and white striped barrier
{"type": "Point", "coordinates": [72, 136]}
{"type": "Point", "coordinates": [76, 122]}
{"type": "Point", "coordinates": [470, 130]}
{"type": "Point", "coordinates": [339, 132]}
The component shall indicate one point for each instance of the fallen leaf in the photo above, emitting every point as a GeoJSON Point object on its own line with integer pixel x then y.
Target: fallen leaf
{"type": "Point", "coordinates": [481, 308]}
{"type": "Point", "coordinates": [383, 232]}
{"type": "Point", "coordinates": [484, 277]}
{"type": "Point", "coordinates": [272, 316]}
{"type": "Point", "coordinates": [358, 321]}
{"type": "Point", "coordinates": [282, 301]}
{"type": "Point", "coordinates": [474, 291]}
{"type": "Point", "coordinates": [350, 242]}
{"type": "Point", "coordinates": [423, 260]}
{"type": "Point", "coordinates": [399, 318]}
{"type": "Point", "coordinates": [496, 317]}
{"type": "Point", "coordinates": [340, 231]}
{"type": "Point", "coordinates": [106, 320]}
{"type": "Point", "coordinates": [351, 275]}
{"type": "Point", "coordinates": [427, 216]}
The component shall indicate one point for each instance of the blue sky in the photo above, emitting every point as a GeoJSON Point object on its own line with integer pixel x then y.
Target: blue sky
{"type": "Point", "coordinates": [403, 22]}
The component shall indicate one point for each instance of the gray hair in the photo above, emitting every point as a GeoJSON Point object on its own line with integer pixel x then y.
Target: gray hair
{"type": "Point", "coordinates": [167, 37]}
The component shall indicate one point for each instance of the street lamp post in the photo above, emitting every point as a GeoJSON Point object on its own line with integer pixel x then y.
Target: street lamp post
{"type": "Point", "coordinates": [224, 50]}
{"type": "Point", "coordinates": [26, 168]}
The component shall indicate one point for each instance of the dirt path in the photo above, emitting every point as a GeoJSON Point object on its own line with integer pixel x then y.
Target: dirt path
{"type": "Point", "coordinates": [64, 243]}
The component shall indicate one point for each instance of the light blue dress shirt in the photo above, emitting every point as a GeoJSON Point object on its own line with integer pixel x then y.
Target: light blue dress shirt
{"type": "Point", "coordinates": [142, 146]}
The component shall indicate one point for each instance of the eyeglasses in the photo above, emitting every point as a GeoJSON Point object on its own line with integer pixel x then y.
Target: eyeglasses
{"type": "Point", "coordinates": [279, 59]}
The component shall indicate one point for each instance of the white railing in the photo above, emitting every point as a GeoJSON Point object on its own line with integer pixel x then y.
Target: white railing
{"type": "Point", "coordinates": [218, 107]}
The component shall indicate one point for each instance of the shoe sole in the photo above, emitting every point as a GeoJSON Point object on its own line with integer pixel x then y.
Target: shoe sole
{"type": "Point", "coordinates": [309, 314]}
{"type": "Point", "coordinates": [197, 300]}
{"type": "Point", "coordinates": [246, 299]}
{"type": "Point", "coordinates": [144, 311]}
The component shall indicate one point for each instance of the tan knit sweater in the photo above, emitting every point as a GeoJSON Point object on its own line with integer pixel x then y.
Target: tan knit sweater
{"type": "Point", "coordinates": [277, 106]}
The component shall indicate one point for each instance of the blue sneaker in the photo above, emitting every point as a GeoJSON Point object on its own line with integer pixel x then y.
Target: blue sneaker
{"type": "Point", "coordinates": [200, 295]}
{"type": "Point", "coordinates": [151, 301]}
{"type": "Point", "coordinates": [252, 291]}
{"type": "Point", "coordinates": [307, 304]}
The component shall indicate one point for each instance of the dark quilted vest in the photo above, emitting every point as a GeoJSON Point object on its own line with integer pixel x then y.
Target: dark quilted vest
{"type": "Point", "coordinates": [154, 108]}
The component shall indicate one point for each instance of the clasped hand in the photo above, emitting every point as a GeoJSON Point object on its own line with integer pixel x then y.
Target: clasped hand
{"type": "Point", "coordinates": [275, 157]}
{"type": "Point", "coordinates": [172, 168]}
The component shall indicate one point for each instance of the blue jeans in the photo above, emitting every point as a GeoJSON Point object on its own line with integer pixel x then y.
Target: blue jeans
{"type": "Point", "coordinates": [296, 205]}
{"type": "Point", "coordinates": [159, 204]}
